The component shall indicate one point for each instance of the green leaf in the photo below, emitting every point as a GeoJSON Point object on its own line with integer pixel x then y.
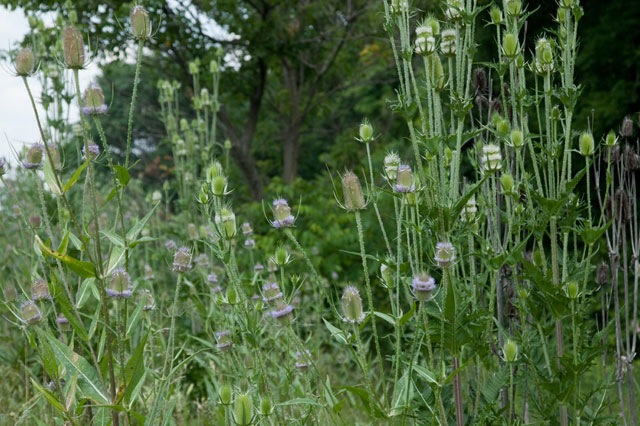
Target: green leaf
{"type": "Point", "coordinates": [134, 371]}
{"type": "Point", "coordinates": [116, 256]}
{"type": "Point", "coordinates": [426, 374]}
{"type": "Point", "coordinates": [50, 177]}
{"type": "Point", "coordinates": [115, 239]}
{"type": "Point", "coordinates": [84, 269]}
{"type": "Point", "coordinates": [49, 397]}
{"type": "Point", "coordinates": [86, 288]}
{"type": "Point", "coordinates": [75, 176]}
{"type": "Point", "coordinates": [88, 380]}
{"type": "Point", "coordinates": [137, 228]}
{"type": "Point", "coordinates": [335, 332]}
{"type": "Point", "coordinates": [123, 175]}
{"type": "Point", "coordinates": [296, 401]}
{"type": "Point", "coordinates": [406, 317]}
{"type": "Point", "coordinates": [62, 247]}
{"type": "Point", "coordinates": [67, 310]}
{"type": "Point", "coordinates": [387, 318]}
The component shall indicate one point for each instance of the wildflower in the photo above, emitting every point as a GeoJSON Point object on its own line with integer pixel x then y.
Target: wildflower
{"type": "Point", "coordinates": [422, 285]}
{"type": "Point", "coordinates": [63, 322]}
{"type": "Point", "coordinates": [250, 243]}
{"type": "Point", "coordinates": [491, 158]}
{"type": "Point", "coordinates": [543, 56]}
{"type": "Point", "coordinates": [40, 290]}
{"type": "Point", "coordinates": [353, 197]}
{"type": "Point", "coordinates": [202, 261]}
{"type": "Point", "coordinates": [148, 272]}
{"type": "Point", "coordinates": [352, 305]}
{"type": "Point", "coordinates": [212, 278]}
{"type": "Point", "coordinates": [445, 254]}
{"type": "Point", "coordinates": [156, 196]}
{"type": "Point", "coordinates": [170, 245]}
{"type": "Point", "coordinates": [510, 351]}
{"type": "Point", "coordinates": [24, 62]}
{"type": "Point", "coordinates": [243, 410]}
{"type": "Point", "coordinates": [303, 359]}
{"type": "Point", "coordinates": [454, 7]}
{"type": "Point", "coordinates": [30, 312]}
{"type": "Point", "coordinates": [469, 210]}
{"type": "Point", "coordinates": [227, 219]}
{"type": "Point", "coordinates": [94, 100]}
{"type": "Point", "coordinates": [510, 45]}
{"type": "Point", "coordinates": [246, 228]}
{"type": "Point", "coordinates": [258, 267]}
{"type": "Point", "coordinates": [271, 292]}
{"type": "Point", "coordinates": [147, 296]}
{"type": "Point", "coordinates": [35, 220]}
{"type": "Point", "coordinates": [391, 164]}
{"type": "Point", "coordinates": [448, 44]}
{"type": "Point", "coordinates": [34, 158]}
{"type": "Point", "coordinates": [404, 182]}
{"type": "Point", "coordinates": [282, 312]}
{"type": "Point", "coordinates": [282, 214]}
{"type": "Point", "coordinates": [73, 47]}
{"type": "Point", "coordinates": [586, 144]}
{"type": "Point", "coordinates": [140, 23]}
{"type": "Point", "coordinates": [94, 151]}
{"type": "Point", "coordinates": [120, 284]}
{"type": "Point", "coordinates": [223, 339]}
{"type": "Point", "coordinates": [366, 131]}
{"type": "Point", "coordinates": [182, 260]}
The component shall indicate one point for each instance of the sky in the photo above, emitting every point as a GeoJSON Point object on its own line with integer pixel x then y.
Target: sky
{"type": "Point", "coordinates": [17, 120]}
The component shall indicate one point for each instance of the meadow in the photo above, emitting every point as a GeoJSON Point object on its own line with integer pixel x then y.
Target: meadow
{"type": "Point", "coordinates": [482, 269]}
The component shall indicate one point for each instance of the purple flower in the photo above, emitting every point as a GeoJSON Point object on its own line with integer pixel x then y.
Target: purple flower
{"type": "Point", "coordinates": [250, 243]}
{"type": "Point", "coordinates": [182, 260]}
{"type": "Point", "coordinates": [422, 286]}
{"type": "Point", "coordinates": [303, 359]}
{"type": "Point", "coordinates": [282, 313]}
{"type": "Point", "coordinates": [212, 278]}
{"type": "Point", "coordinates": [34, 158]}
{"type": "Point", "coordinates": [404, 182]}
{"type": "Point", "coordinates": [224, 340]}
{"type": "Point", "coordinates": [258, 267]}
{"type": "Point", "coordinates": [170, 245]}
{"type": "Point", "coordinates": [282, 214]}
{"type": "Point", "coordinates": [119, 285]}
{"type": "Point", "coordinates": [94, 150]}
{"type": "Point", "coordinates": [271, 292]}
{"type": "Point", "coordinates": [445, 254]}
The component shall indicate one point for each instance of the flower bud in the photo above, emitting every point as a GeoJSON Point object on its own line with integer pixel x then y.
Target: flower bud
{"type": "Point", "coordinates": [391, 164]}
{"type": "Point", "coordinates": [422, 285]}
{"type": "Point", "coordinates": [510, 45]}
{"type": "Point", "coordinates": [281, 256]}
{"type": "Point", "coordinates": [194, 68]}
{"type": "Point", "coordinates": [543, 56]}
{"type": "Point", "coordinates": [225, 395]}
{"type": "Point", "coordinates": [352, 305]}
{"type": "Point", "coordinates": [182, 260]}
{"type": "Point", "coordinates": [611, 139]}
{"type": "Point", "coordinates": [242, 410]}
{"type": "Point", "coordinates": [140, 23]}
{"type": "Point", "coordinates": [223, 339]}
{"type": "Point", "coordinates": [510, 351]}
{"type": "Point", "coordinates": [282, 214]}
{"type": "Point", "coordinates": [453, 10]}
{"type": "Point", "coordinates": [496, 15]}
{"type": "Point", "coordinates": [40, 290]}
{"type": "Point", "coordinates": [63, 322]}
{"type": "Point", "coordinates": [94, 100]}
{"type": "Point", "coordinates": [445, 254]}
{"type": "Point", "coordinates": [227, 219]}
{"type": "Point", "coordinates": [35, 220]}
{"type": "Point", "coordinates": [73, 48]}
{"type": "Point", "coordinates": [156, 196]}
{"type": "Point", "coordinates": [425, 40]}
{"type": "Point", "coordinates": [303, 359]}
{"type": "Point", "coordinates": [30, 312]}
{"type": "Point", "coordinates": [282, 312]}
{"type": "Point", "coordinates": [214, 67]}
{"type": "Point", "coordinates": [94, 151]}
{"type": "Point", "coordinates": [24, 62]}
{"type": "Point", "coordinates": [514, 7]}
{"type": "Point", "coordinates": [503, 127]}
{"type": "Point", "coordinates": [246, 228]}
{"type": "Point", "coordinates": [271, 292]}
{"type": "Point", "coordinates": [219, 186]}
{"type": "Point", "coordinates": [399, 6]}
{"type": "Point", "coordinates": [404, 182]}
{"type": "Point", "coordinates": [119, 284]}
{"type": "Point", "coordinates": [34, 158]}
{"type": "Point", "coordinates": [573, 290]}
{"type": "Point", "coordinates": [506, 182]}
{"type": "Point", "coordinates": [366, 131]}
{"type": "Point", "coordinates": [147, 296]}
{"type": "Point", "coordinates": [491, 158]}
{"type": "Point", "coordinates": [353, 197]}
{"type": "Point", "coordinates": [586, 144]}
{"type": "Point", "coordinates": [517, 138]}
{"type": "Point", "coordinates": [448, 43]}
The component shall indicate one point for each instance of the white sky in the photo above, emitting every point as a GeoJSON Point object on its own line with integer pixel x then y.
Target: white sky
{"type": "Point", "coordinates": [17, 121]}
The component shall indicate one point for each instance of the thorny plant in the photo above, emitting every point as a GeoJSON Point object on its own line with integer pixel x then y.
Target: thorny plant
{"type": "Point", "coordinates": [506, 293]}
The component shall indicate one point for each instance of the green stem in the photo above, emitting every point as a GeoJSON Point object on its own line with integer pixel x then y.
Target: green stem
{"type": "Point", "coordinates": [134, 94]}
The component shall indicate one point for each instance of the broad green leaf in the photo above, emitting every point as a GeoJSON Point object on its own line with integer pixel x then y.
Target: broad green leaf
{"type": "Point", "coordinates": [137, 228]}
{"type": "Point", "coordinates": [406, 317]}
{"type": "Point", "coordinates": [114, 238]}
{"type": "Point", "coordinates": [426, 374]}
{"type": "Point", "coordinates": [86, 288]}
{"type": "Point", "coordinates": [88, 380]}
{"type": "Point", "coordinates": [62, 247]}
{"type": "Point", "coordinates": [134, 371]}
{"type": "Point", "coordinates": [123, 175]}
{"type": "Point", "coordinates": [386, 317]}
{"type": "Point", "coordinates": [117, 254]}
{"type": "Point", "coordinates": [67, 310]}
{"type": "Point", "coordinates": [84, 269]}
{"type": "Point", "coordinates": [335, 332]}
{"type": "Point", "coordinates": [75, 176]}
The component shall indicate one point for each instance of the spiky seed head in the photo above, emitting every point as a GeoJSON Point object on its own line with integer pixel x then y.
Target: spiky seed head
{"type": "Point", "coordinates": [243, 410]}
{"type": "Point", "coordinates": [282, 312]}
{"type": "Point", "coordinates": [496, 15]}
{"type": "Point", "coordinates": [281, 256]}
{"type": "Point", "coordinates": [266, 407]}
{"type": "Point", "coordinates": [246, 228]}
{"type": "Point", "coordinates": [445, 254]}
{"type": "Point", "coordinates": [491, 158]}
{"type": "Point", "coordinates": [611, 139]}
{"type": "Point", "coordinates": [366, 131]}
{"type": "Point", "coordinates": [506, 182]}
{"type": "Point", "coordinates": [40, 290]}
{"type": "Point", "coordinates": [140, 23]}
{"type": "Point", "coordinates": [602, 274]}
{"type": "Point", "coordinates": [282, 214]}
{"type": "Point", "coordinates": [24, 62]}
{"type": "Point", "coordinates": [119, 284]}
{"type": "Point", "coordinates": [182, 260]}
{"type": "Point", "coordinates": [573, 290]}
{"type": "Point", "coordinates": [94, 100]}
{"type": "Point", "coordinates": [34, 158]}
{"type": "Point", "coordinates": [423, 285]}
{"type": "Point", "coordinates": [223, 339]}
{"type": "Point", "coordinates": [30, 312]}
{"type": "Point", "coordinates": [514, 7]}
{"type": "Point", "coordinates": [627, 127]}
{"type": "Point", "coordinates": [391, 164]}
{"type": "Point", "coordinates": [73, 48]}
{"type": "Point", "coordinates": [227, 219]}
{"type": "Point", "coordinates": [543, 56]}
{"type": "Point", "coordinates": [405, 181]}
{"type": "Point", "coordinates": [271, 292]}
{"type": "Point", "coordinates": [35, 220]}
{"type": "Point", "coordinates": [448, 44]}
{"type": "Point", "coordinates": [9, 292]}
{"type": "Point", "coordinates": [510, 351]}
{"type": "Point", "coordinates": [510, 45]}
{"type": "Point", "coordinates": [586, 144]}
{"type": "Point", "coordinates": [63, 322]}
{"type": "Point", "coordinates": [353, 197]}
{"type": "Point", "coordinates": [352, 305]}
{"type": "Point", "coordinates": [225, 395]}
{"type": "Point", "coordinates": [517, 138]}
{"type": "Point", "coordinates": [469, 210]}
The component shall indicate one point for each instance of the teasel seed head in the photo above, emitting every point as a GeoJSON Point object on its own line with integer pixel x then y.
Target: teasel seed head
{"type": "Point", "coordinates": [514, 8]}
{"type": "Point", "coordinates": [631, 159]}
{"type": "Point", "coordinates": [282, 214]}
{"type": "Point", "coordinates": [506, 182]}
{"type": "Point", "coordinates": [303, 359]}
{"type": "Point", "coordinates": [586, 144]}
{"type": "Point", "coordinates": [140, 23]}
{"type": "Point", "coordinates": [448, 43]}
{"type": "Point", "coordinates": [223, 339]}
{"type": "Point", "coordinates": [445, 254]}
{"type": "Point", "coordinates": [510, 351]}
{"type": "Point", "coordinates": [119, 284]}
{"type": "Point", "coordinates": [9, 292]}
{"type": "Point", "coordinates": [282, 312]}
{"type": "Point", "coordinates": [353, 196]}
{"type": "Point", "coordinates": [40, 290]}
{"type": "Point", "coordinates": [225, 395]}
{"type": "Point", "coordinates": [391, 164]}
{"type": "Point", "coordinates": [352, 305]}
{"type": "Point", "coordinates": [24, 62]}
{"type": "Point", "coordinates": [366, 131]}
{"type": "Point", "coordinates": [510, 45]}
{"type": "Point", "coordinates": [35, 220]}
{"type": "Point", "coordinates": [602, 274]}
{"type": "Point", "coordinates": [491, 158]}
{"type": "Point", "coordinates": [573, 290]}
{"type": "Point", "coordinates": [182, 260]}
{"type": "Point", "coordinates": [30, 312]}
{"type": "Point", "coordinates": [34, 159]}
{"type": "Point", "coordinates": [271, 292]}
{"type": "Point", "coordinates": [227, 220]}
{"type": "Point", "coordinates": [266, 406]}
{"type": "Point", "coordinates": [73, 48]}
{"type": "Point", "coordinates": [405, 181]}
{"type": "Point", "coordinates": [243, 410]}
{"type": "Point", "coordinates": [517, 138]}
{"type": "Point", "coordinates": [423, 285]}
{"type": "Point", "coordinates": [469, 210]}
{"type": "Point", "coordinates": [94, 100]}
{"type": "Point", "coordinates": [626, 130]}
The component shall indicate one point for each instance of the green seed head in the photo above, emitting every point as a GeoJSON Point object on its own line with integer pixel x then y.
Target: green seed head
{"type": "Point", "coordinates": [24, 62]}
{"type": "Point", "coordinates": [225, 395]}
{"type": "Point", "coordinates": [242, 410]}
{"type": "Point", "coordinates": [510, 45]}
{"type": "Point", "coordinates": [219, 185]}
{"type": "Point", "coordinates": [517, 138]}
{"type": "Point", "coordinates": [506, 181]}
{"type": "Point", "coordinates": [503, 127]}
{"type": "Point", "coordinates": [573, 290]}
{"type": "Point", "coordinates": [352, 305]}
{"type": "Point", "coordinates": [366, 131]}
{"type": "Point", "coordinates": [611, 139]}
{"type": "Point", "coordinates": [73, 47]}
{"type": "Point", "coordinates": [353, 197]}
{"type": "Point", "coordinates": [514, 7]}
{"type": "Point", "coordinates": [510, 351]}
{"type": "Point", "coordinates": [586, 144]}
{"type": "Point", "coordinates": [140, 23]}
{"type": "Point", "coordinates": [266, 406]}
{"type": "Point", "coordinates": [496, 15]}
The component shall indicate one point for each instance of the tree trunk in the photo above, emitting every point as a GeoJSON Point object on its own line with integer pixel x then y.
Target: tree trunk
{"type": "Point", "coordinates": [249, 170]}
{"type": "Point", "coordinates": [291, 141]}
